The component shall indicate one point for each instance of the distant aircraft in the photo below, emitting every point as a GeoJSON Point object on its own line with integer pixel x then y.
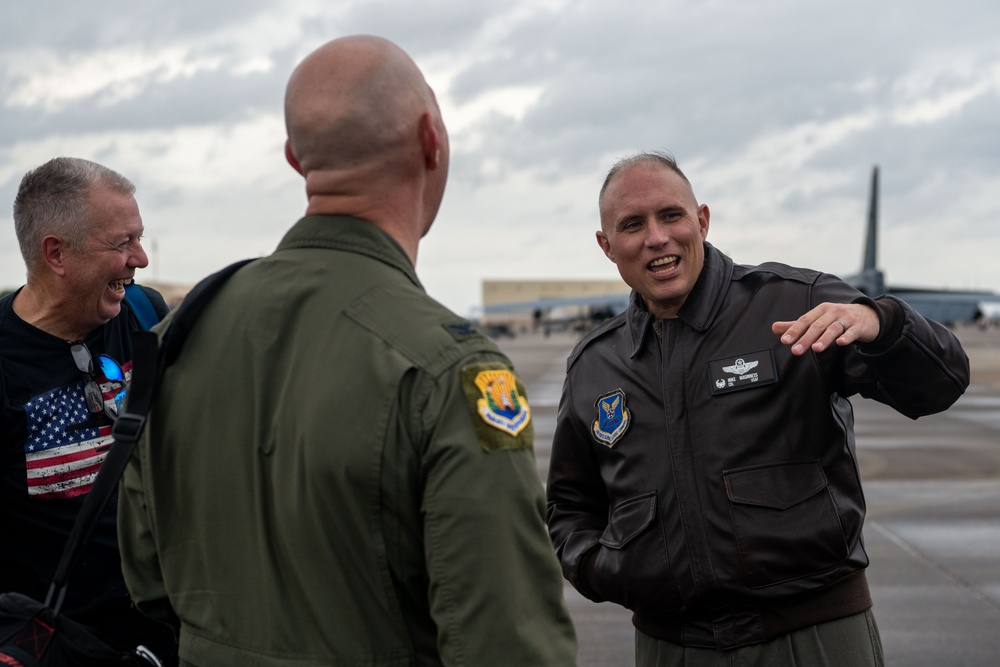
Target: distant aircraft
{"type": "Point", "coordinates": [949, 307]}
{"type": "Point", "coordinates": [576, 313]}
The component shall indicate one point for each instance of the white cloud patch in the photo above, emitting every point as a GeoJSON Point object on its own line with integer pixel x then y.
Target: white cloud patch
{"type": "Point", "coordinates": [51, 82]}
{"type": "Point", "coordinates": [194, 160]}
{"type": "Point", "coordinates": [511, 102]}
{"type": "Point", "coordinates": [205, 159]}
{"type": "Point", "coordinates": [943, 85]}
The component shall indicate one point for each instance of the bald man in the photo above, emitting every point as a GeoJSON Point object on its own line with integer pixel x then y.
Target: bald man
{"type": "Point", "coordinates": [703, 470]}
{"type": "Point", "coordinates": [338, 470]}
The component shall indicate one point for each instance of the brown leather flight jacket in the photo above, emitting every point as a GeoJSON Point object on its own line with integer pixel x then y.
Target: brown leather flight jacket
{"type": "Point", "coordinates": [707, 479]}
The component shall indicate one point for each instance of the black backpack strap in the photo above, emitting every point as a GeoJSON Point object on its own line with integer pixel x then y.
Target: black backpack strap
{"type": "Point", "coordinates": [189, 311]}
{"type": "Point", "coordinates": [150, 360]}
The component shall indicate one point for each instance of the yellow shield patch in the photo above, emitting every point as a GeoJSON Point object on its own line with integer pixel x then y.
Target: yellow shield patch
{"type": "Point", "coordinates": [497, 400]}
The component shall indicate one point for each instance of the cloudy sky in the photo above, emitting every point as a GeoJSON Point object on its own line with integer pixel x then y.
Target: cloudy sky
{"type": "Point", "coordinates": [776, 109]}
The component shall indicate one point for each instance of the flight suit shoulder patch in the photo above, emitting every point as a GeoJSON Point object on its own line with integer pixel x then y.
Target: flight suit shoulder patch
{"type": "Point", "coordinates": [498, 405]}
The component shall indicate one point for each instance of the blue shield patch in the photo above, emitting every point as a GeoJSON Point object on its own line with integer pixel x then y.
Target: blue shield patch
{"type": "Point", "coordinates": [612, 418]}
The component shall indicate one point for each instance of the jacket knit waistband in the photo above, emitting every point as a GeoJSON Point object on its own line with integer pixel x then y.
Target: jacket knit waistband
{"type": "Point", "coordinates": [774, 618]}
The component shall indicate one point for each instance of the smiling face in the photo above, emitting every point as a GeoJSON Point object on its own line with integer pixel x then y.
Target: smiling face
{"type": "Point", "coordinates": [98, 268]}
{"type": "Point", "coordinates": [654, 230]}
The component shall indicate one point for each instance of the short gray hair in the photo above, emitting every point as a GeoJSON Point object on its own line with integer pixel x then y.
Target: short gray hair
{"type": "Point", "coordinates": [646, 157]}
{"type": "Point", "coordinates": [52, 199]}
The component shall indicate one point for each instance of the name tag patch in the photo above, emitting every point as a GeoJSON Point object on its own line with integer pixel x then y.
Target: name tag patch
{"type": "Point", "coordinates": [745, 371]}
{"type": "Point", "coordinates": [462, 330]}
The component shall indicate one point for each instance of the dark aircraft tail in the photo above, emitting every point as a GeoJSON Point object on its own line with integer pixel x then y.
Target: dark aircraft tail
{"type": "Point", "coordinates": [871, 244]}
{"type": "Point", "coordinates": [871, 281]}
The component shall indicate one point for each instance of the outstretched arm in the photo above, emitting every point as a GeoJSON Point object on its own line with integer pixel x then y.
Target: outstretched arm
{"type": "Point", "coordinates": [896, 356]}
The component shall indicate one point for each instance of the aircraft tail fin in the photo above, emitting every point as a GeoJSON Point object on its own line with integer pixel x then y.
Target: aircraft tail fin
{"type": "Point", "coordinates": [871, 243]}
{"type": "Point", "coordinates": [870, 280]}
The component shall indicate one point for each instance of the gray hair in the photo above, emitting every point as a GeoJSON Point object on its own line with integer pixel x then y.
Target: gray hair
{"type": "Point", "coordinates": [52, 199]}
{"type": "Point", "coordinates": [662, 158]}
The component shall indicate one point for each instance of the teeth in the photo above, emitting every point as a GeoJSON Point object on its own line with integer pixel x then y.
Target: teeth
{"type": "Point", "coordinates": [663, 262]}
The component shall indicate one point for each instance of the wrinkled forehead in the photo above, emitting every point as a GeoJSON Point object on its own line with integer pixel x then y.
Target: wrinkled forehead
{"type": "Point", "coordinates": [110, 209]}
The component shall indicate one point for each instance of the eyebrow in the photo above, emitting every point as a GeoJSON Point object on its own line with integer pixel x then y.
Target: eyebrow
{"type": "Point", "coordinates": [673, 208]}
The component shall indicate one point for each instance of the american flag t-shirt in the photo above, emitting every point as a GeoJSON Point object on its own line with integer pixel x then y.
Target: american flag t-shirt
{"type": "Point", "coordinates": [62, 454]}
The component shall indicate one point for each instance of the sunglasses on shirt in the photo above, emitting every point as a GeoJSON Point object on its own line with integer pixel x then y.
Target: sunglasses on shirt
{"type": "Point", "coordinates": [110, 369]}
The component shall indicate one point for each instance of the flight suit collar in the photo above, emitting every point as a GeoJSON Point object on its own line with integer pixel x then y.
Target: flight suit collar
{"type": "Point", "coordinates": [343, 232]}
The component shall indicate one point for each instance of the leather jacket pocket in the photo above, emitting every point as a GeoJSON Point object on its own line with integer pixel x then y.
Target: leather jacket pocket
{"type": "Point", "coordinates": [632, 567]}
{"type": "Point", "coordinates": [785, 521]}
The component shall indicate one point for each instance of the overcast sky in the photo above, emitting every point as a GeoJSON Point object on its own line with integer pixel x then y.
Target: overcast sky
{"type": "Point", "coordinates": [776, 110]}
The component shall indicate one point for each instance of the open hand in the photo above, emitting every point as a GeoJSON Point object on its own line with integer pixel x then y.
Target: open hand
{"type": "Point", "coordinates": [843, 323]}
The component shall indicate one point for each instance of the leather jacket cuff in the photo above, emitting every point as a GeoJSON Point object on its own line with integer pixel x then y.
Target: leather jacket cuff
{"type": "Point", "coordinates": [588, 570]}
{"type": "Point", "coordinates": [890, 319]}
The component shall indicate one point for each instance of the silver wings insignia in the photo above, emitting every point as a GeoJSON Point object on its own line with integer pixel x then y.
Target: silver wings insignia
{"type": "Point", "coordinates": [740, 367]}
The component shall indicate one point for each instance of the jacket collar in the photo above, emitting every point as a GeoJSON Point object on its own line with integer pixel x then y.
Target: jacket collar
{"type": "Point", "coordinates": [700, 307]}
{"type": "Point", "coordinates": [342, 232]}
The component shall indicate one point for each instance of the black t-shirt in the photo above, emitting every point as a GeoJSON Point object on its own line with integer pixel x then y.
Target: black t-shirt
{"type": "Point", "coordinates": [51, 447]}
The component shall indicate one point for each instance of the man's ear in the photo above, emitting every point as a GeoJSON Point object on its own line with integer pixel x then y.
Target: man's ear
{"type": "Point", "coordinates": [602, 240]}
{"type": "Point", "coordinates": [291, 158]}
{"type": "Point", "coordinates": [430, 142]}
{"type": "Point", "coordinates": [703, 216]}
{"type": "Point", "coordinates": [54, 254]}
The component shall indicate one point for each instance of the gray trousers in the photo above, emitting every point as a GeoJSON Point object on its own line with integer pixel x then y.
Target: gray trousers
{"type": "Point", "coordinates": [847, 642]}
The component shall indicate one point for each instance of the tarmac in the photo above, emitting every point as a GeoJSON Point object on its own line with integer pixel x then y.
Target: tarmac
{"type": "Point", "coordinates": [933, 526]}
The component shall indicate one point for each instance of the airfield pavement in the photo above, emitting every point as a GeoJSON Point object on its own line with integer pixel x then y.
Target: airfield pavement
{"type": "Point", "coordinates": [933, 529]}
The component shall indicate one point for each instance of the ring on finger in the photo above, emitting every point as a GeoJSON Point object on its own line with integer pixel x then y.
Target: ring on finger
{"type": "Point", "coordinates": [842, 326]}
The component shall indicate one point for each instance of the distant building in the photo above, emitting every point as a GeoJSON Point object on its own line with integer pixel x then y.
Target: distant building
{"type": "Point", "coordinates": [529, 304]}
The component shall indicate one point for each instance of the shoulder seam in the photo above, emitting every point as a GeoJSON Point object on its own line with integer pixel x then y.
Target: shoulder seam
{"type": "Point", "coordinates": [449, 352]}
{"type": "Point", "coordinates": [807, 276]}
{"type": "Point", "coordinates": [613, 324]}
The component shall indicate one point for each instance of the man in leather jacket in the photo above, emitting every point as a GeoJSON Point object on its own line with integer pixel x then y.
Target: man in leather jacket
{"type": "Point", "coordinates": [703, 471]}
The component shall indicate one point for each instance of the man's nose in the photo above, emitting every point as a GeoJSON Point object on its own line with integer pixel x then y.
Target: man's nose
{"type": "Point", "coordinates": [656, 234]}
{"type": "Point", "coordinates": [138, 258]}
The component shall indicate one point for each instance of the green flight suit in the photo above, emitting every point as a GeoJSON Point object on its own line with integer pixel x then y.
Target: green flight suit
{"type": "Point", "coordinates": [339, 471]}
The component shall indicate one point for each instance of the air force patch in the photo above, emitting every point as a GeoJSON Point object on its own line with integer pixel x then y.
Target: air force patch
{"type": "Point", "coordinates": [612, 418]}
{"type": "Point", "coordinates": [499, 407]}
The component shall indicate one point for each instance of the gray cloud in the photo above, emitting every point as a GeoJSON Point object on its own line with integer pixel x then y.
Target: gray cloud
{"type": "Point", "coordinates": [81, 26]}
{"type": "Point", "coordinates": [778, 109]}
